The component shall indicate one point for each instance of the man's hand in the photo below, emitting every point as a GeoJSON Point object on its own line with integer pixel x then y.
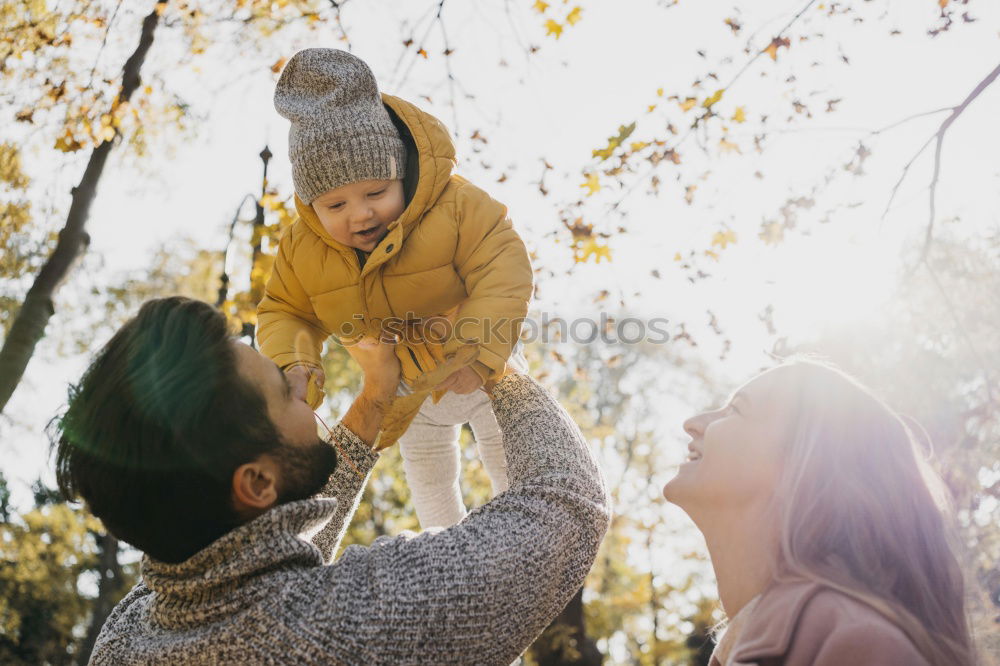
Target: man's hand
{"type": "Point", "coordinates": [462, 381]}
{"type": "Point", "coordinates": [381, 370]}
{"type": "Point", "coordinates": [299, 376]}
{"type": "Point", "coordinates": [379, 364]}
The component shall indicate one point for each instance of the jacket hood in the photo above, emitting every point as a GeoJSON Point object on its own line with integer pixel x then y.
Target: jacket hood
{"type": "Point", "coordinates": [430, 152]}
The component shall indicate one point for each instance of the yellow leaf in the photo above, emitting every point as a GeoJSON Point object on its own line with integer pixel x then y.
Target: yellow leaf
{"type": "Point", "coordinates": [636, 146]}
{"type": "Point", "coordinates": [723, 238]}
{"type": "Point", "coordinates": [423, 53]}
{"type": "Point", "coordinates": [772, 233]}
{"type": "Point", "coordinates": [592, 184]}
{"type": "Point", "coordinates": [942, 3]}
{"type": "Point", "coordinates": [592, 249]}
{"type": "Point", "coordinates": [727, 146]}
{"type": "Point", "coordinates": [713, 255]}
{"type": "Point", "coordinates": [716, 96]}
{"type": "Point", "coordinates": [540, 6]}
{"type": "Point", "coordinates": [659, 92]}
{"type": "Point", "coordinates": [688, 104]}
{"type": "Point", "coordinates": [278, 64]}
{"type": "Point", "coordinates": [740, 115]}
{"type": "Point", "coordinates": [689, 193]}
{"type": "Point", "coordinates": [574, 16]}
{"type": "Point", "coordinates": [553, 28]}
{"type": "Point", "coordinates": [776, 43]}
{"type": "Point", "coordinates": [677, 256]}
{"type": "Point", "coordinates": [650, 108]}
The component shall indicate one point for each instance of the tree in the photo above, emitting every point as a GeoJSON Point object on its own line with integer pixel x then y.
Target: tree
{"type": "Point", "coordinates": [28, 326]}
{"type": "Point", "coordinates": [50, 556]}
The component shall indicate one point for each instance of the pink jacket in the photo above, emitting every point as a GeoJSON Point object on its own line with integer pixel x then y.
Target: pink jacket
{"type": "Point", "coordinates": [806, 624]}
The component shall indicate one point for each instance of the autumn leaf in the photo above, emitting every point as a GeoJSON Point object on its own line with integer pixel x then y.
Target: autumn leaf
{"type": "Point", "coordinates": [677, 256]}
{"type": "Point", "coordinates": [740, 115]}
{"type": "Point", "coordinates": [776, 43]}
{"type": "Point", "coordinates": [734, 25]}
{"type": "Point", "coordinates": [636, 146]}
{"type": "Point", "coordinates": [688, 104]}
{"type": "Point", "coordinates": [716, 96]}
{"type": "Point", "coordinates": [574, 16]}
{"type": "Point", "coordinates": [624, 131]}
{"type": "Point", "coordinates": [553, 28]}
{"type": "Point", "coordinates": [540, 6]}
{"type": "Point", "coordinates": [942, 3]}
{"type": "Point", "coordinates": [772, 233]}
{"type": "Point", "coordinates": [592, 184]}
{"type": "Point", "coordinates": [278, 64]}
{"type": "Point", "coordinates": [712, 254]}
{"type": "Point", "coordinates": [727, 146]}
{"type": "Point", "coordinates": [67, 143]}
{"type": "Point", "coordinates": [723, 238]}
{"type": "Point", "coordinates": [422, 52]}
{"type": "Point", "coordinates": [591, 248]}
{"type": "Point", "coordinates": [689, 193]}
{"type": "Point", "coordinates": [659, 92]}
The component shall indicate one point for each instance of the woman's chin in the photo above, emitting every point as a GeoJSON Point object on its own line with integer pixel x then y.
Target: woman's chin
{"type": "Point", "coordinates": [678, 488]}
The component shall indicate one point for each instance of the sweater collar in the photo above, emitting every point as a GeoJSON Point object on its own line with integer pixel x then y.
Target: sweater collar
{"type": "Point", "coordinates": [214, 580]}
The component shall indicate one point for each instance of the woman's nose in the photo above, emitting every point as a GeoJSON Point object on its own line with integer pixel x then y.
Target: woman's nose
{"type": "Point", "coordinates": [695, 425]}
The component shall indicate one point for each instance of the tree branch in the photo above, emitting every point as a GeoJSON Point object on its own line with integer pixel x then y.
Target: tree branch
{"type": "Point", "coordinates": [38, 307]}
{"type": "Point", "coordinates": [708, 112]}
{"type": "Point", "coordinates": [932, 203]}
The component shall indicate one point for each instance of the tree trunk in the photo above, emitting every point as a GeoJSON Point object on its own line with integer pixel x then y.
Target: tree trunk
{"type": "Point", "coordinates": [38, 307]}
{"type": "Point", "coordinates": [565, 641]}
{"type": "Point", "coordinates": [108, 590]}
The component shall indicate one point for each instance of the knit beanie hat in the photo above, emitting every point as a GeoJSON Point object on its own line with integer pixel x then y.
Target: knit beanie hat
{"type": "Point", "coordinates": [341, 133]}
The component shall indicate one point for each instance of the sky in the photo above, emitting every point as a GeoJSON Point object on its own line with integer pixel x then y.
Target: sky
{"type": "Point", "coordinates": [560, 104]}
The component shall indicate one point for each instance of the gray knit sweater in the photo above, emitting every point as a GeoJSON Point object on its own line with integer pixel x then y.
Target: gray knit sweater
{"type": "Point", "coordinates": [477, 593]}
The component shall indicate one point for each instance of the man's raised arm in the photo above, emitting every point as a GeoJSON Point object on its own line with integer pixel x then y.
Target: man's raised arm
{"type": "Point", "coordinates": [481, 591]}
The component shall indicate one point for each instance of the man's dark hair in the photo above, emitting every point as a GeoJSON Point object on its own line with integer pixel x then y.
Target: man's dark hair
{"type": "Point", "coordinates": [156, 427]}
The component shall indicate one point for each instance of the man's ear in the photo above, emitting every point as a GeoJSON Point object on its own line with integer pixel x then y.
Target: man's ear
{"type": "Point", "coordinates": [255, 486]}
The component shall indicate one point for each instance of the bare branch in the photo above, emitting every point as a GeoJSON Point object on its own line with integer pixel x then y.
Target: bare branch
{"type": "Point", "coordinates": [932, 203]}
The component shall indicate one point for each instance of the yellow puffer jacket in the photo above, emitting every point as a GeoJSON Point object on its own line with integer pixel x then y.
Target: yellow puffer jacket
{"type": "Point", "coordinates": [452, 252]}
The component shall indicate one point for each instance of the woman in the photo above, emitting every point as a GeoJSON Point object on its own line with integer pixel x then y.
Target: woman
{"type": "Point", "coordinates": [824, 527]}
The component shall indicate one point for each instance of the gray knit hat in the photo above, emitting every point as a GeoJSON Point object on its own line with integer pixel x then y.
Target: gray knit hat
{"type": "Point", "coordinates": [341, 133]}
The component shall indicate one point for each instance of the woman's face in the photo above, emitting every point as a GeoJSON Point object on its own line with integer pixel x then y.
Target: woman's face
{"type": "Point", "coordinates": [736, 451]}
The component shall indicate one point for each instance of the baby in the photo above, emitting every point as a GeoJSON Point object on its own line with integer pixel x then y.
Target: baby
{"type": "Point", "coordinates": [390, 241]}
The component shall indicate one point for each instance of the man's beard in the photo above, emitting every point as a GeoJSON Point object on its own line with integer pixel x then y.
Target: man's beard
{"type": "Point", "coordinates": [304, 469]}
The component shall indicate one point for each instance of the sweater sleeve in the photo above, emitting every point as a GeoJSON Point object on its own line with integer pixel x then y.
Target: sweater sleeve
{"type": "Point", "coordinates": [288, 330]}
{"type": "Point", "coordinates": [483, 590]}
{"type": "Point", "coordinates": [355, 461]}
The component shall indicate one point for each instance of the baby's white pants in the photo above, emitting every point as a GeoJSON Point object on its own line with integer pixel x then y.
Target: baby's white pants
{"type": "Point", "coordinates": [431, 456]}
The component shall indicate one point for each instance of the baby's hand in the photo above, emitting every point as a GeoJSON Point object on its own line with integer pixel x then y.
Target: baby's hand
{"type": "Point", "coordinates": [307, 383]}
{"type": "Point", "coordinates": [465, 380]}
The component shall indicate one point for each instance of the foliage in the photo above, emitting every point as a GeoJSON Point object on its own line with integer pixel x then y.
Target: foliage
{"type": "Point", "coordinates": [49, 561]}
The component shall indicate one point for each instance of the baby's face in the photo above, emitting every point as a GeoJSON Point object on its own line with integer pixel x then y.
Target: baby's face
{"type": "Point", "coordinates": [358, 214]}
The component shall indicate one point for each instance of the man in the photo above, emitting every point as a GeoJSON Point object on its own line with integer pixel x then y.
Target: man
{"type": "Point", "coordinates": [195, 449]}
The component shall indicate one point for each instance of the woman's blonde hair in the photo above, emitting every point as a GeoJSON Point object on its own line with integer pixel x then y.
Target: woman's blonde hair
{"type": "Point", "coordinates": [860, 510]}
